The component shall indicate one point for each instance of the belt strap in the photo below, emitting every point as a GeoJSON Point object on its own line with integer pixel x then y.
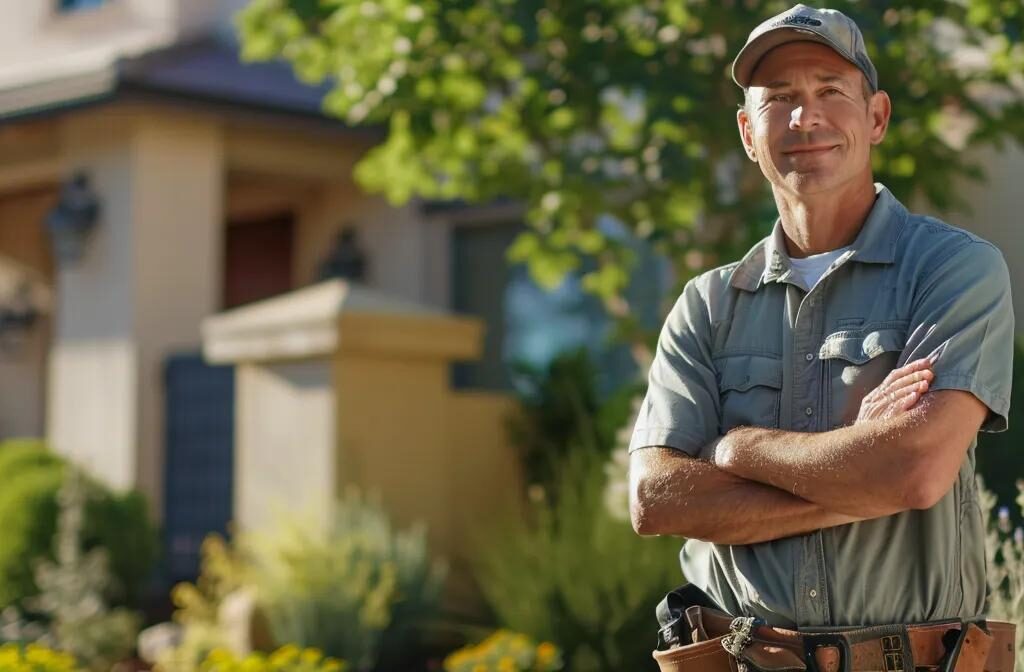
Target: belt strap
{"type": "Point", "coordinates": [729, 644]}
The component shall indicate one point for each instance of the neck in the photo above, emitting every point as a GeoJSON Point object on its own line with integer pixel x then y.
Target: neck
{"type": "Point", "coordinates": [823, 222]}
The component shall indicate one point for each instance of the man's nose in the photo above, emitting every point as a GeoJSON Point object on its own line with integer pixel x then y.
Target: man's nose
{"type": "Point", "coordinates": [804, 117]}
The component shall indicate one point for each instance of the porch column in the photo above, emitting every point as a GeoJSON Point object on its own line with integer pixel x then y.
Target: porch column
{"type": "Point", "coordinates": [148, 276]}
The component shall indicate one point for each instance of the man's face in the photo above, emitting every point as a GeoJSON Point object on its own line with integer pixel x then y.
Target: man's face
{"type": "Point", "coordinates": [808, 124]}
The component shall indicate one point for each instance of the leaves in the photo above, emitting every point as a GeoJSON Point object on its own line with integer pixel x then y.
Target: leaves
{"type": "Point", "coordinates": [581, 109]}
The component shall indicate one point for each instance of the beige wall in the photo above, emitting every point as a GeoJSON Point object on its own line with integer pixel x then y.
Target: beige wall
{"type": "Point", "coordinates": [149, 275]}
{"type": "Point", "coordinates": [284, 441]}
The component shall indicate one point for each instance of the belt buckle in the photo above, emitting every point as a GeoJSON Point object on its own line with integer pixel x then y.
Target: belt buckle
{"type": "Point", "coordinates": [815, 641]}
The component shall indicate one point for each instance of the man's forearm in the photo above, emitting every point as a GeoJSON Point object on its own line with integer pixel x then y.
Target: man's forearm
{"type": "Point", "coordinates": [690, 497]}
{"type": "Point", "coordinates": [869, 469]}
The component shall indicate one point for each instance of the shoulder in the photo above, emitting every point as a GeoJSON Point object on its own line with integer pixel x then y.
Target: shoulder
{"type": "Point", "coordinates": [713, 293]}
{"type": "Point", "coordinates": [929, 242]}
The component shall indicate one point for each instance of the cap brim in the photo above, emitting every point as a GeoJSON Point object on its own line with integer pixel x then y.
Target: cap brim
{"type": "Point", "coordinates": [751, 54]}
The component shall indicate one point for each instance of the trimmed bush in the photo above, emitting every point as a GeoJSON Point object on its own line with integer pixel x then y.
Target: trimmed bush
{"type": "Point", "coordinates": [28, 514]}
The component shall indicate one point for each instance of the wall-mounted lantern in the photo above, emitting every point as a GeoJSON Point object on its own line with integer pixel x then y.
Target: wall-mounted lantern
{"type": "Point", "coordinates": [24, 300]}
{"type": "Point", "coordinates": [73, 218]}
{"type": "Point", "coordinates": [345, 259]}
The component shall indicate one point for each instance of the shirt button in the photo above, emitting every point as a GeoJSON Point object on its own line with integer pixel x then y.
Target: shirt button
{"type": "Point", "coordinates": [809, 411]}
{"type": "Point", "coordinates": [813, 593]}
{"type": "Point", "coordinates": [809, 356]}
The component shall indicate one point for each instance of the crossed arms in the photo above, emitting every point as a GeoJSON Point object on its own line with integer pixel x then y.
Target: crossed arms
{"type": "Point", "coordinates": [755, 484]}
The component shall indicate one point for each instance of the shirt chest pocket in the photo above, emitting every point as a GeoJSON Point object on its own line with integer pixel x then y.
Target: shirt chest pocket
{"type": "Point", "coordinates": [855, 363]}
{"type": "Point", "coordinates": [749, 388]}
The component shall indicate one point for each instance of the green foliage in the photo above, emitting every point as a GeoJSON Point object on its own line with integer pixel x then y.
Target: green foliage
{"type": "Point", "coordinates": [20, 455]}
{"type": "Point", "coordinates": [72, 588]}
{"type": "Point", "coordinates": [562, 411]}
{"type": "Point", "coordinates": [354, 588]}
{"type": "Point", "coordinates": [288, 658]}
{"type": "Point", "coordinates": [357, 590]}
{"type": "Point", "coordinates": [35, 658]}
{"type": "Point", "coordinates": [575, 575]}
{"type": "Point", "coordinates": [28, 516]}
{"type": "Point", "coordinates": [221, 572]}
{"type": "Point", "coordinates": [624, 108]}
{"type": "Point", "coordinates": [505, 651]}
{"type": "Point", "coordinates": [1004, 553]}
{"type": "Point", "coordinates": [998, 456]}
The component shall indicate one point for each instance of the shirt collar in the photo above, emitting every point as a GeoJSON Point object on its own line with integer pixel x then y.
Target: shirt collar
{"type": "Point", "coordinates": [875, 244]}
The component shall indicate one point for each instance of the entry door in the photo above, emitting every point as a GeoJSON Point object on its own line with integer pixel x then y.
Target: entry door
{"type": "Point", "coordinates": [258, 258]}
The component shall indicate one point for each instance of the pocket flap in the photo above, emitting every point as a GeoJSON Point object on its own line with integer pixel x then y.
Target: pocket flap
{"type": "Point", "coordinates": [860, 346]}
{"type": "Point", "coordinates": [742, 372]}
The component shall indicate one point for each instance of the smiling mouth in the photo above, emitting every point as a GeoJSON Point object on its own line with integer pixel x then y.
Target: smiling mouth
{"type": "Point", "coordinates": [810, 150]}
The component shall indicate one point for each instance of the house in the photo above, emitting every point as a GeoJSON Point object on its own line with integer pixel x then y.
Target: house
{"type": "Point", "coordinates": [219, 184]}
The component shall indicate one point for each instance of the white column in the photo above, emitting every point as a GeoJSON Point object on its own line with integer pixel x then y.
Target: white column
{"type": "Point", "coordinates": [149, 275]}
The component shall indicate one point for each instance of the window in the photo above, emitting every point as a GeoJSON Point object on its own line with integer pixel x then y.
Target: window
{"type": "Point", "coordinates": [76, 5]}
{"type": "Point", "coordinates": [527, 324]}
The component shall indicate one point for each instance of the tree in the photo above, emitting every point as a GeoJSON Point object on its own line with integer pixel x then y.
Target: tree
{"type": "Point", "coordinates": [625, 107]}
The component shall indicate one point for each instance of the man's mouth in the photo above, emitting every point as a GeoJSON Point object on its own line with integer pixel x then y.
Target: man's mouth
{"type": "Point", "coordinates": [809, 149]}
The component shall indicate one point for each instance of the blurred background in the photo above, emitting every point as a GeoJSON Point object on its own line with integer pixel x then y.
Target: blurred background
{"type": "Point", "coordinates": [367, 291]}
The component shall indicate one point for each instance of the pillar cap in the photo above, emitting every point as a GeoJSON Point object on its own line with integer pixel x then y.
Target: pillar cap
{"type": "Point", "coordinates": [337, 316]}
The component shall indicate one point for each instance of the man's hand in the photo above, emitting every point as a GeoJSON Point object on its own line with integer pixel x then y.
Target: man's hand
{"type": "Point", "coordinates": [898, 393]}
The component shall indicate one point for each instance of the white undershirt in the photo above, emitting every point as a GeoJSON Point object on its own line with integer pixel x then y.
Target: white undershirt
{"type": "Point", "coordinates": [813, 267]}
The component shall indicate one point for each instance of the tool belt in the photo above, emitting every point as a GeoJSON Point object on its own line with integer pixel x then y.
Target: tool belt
{"type": "Point", "coordinates": [697, 636]}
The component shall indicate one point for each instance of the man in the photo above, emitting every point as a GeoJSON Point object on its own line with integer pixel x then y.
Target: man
{"type": "Point", "coordinates": [812, 412]}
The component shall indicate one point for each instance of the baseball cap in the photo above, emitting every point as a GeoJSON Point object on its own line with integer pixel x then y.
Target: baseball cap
{"type": "Point", "coordinates": [804, 24]}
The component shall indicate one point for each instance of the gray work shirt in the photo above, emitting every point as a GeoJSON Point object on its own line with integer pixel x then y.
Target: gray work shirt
{"type": "Point", "coordinates": [748, 345]}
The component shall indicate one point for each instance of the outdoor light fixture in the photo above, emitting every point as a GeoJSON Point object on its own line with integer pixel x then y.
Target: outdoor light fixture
{"type": "Point", "coordinates": [346, 259]}
{"type": "Point", "coordinates": [24, 300]}
{"type": "Point", "coordinates": [73, 218]}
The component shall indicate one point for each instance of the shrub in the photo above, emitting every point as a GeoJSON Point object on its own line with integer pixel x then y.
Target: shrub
{"type": "Point", "coordinates": [575, 575]}
{"type": "Point", "coordinates": [356, 589]}
{"type": "Point", "coordinates": [505, 651]}
{"type": "Point", "coordinates": [561, 410]}
{"type": "Point", "coordinates": [28, 514]}
{"type": "Point", "coordinates": [998, 455]}
{"type": "Point", "coordinates": [34, 658]}
{"type": "Point", "coordinates": [289, 658]}
{"type": "Point", "coordinates": [20, 455]}
{"type": "Point", "coordinates": [1004, 552]}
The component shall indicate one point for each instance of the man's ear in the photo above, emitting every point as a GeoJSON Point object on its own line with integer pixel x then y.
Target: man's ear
{"type": "Point", "coordinates": [880, 109]}
{"type": "Point", "coordinates": [746, 133]}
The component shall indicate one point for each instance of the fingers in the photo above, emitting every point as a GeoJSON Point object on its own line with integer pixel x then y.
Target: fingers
{"type": "Point", "coordinates": [916, 380]}
{"type": "Point", "coordinates": [907, 369]}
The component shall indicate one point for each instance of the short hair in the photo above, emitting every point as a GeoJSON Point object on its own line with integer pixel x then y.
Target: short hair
{"type": "Point", "coordinates": [865, 89]}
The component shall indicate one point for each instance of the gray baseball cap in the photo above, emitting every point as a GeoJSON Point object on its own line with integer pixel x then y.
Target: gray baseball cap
{"type": "Point", "coordinates": [804, 24]}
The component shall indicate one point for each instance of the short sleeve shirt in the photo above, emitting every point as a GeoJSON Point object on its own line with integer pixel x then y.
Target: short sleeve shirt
{"type": "Point", "coordinates": [749, 344]}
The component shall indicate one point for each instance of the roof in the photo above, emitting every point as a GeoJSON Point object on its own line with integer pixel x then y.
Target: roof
{"type": "Point", "coordinates": [205, 70]}
{"type": "Point", "coordinates": [210, 69]}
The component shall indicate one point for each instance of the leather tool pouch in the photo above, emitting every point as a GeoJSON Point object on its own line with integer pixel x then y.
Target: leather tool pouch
{"type": "Point", "coordinates": [695, 635]}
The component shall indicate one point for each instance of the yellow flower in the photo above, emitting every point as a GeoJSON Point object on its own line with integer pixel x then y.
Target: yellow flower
{"type": "Point", "coordinates": [547, 653]}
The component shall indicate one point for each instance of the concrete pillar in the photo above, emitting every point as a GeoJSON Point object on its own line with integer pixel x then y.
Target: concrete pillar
{"type": "Point", "coordinates": [338, 384]}
{"type": "Point", "coordinates": [148, 277]}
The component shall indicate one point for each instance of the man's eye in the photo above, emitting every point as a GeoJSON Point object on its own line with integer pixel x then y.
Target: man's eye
{"type": "Point", "coordinates": [831, 91]}
{"type": "Point", "coordinates": [779, 97]}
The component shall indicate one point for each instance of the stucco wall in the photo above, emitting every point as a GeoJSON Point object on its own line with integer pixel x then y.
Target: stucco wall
{"type": "Point", "coordinates": [149, 275]}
